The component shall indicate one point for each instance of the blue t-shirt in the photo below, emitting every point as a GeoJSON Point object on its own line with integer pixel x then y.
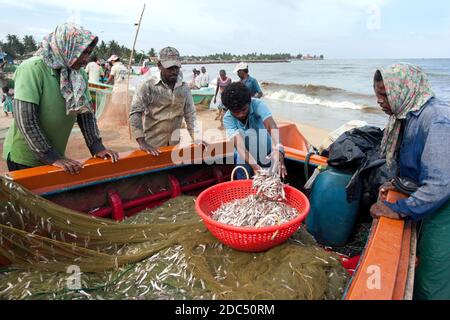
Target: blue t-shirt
{"type": "Point", "coordinates": [257, 139]}
{"type": "Point", "coordinates": [252, 85]}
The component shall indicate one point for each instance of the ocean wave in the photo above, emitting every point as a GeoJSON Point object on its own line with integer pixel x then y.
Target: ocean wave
{"type": "Point", "coordinates": [316, 90]}
{"type": "Point", "coordinates": [438, 75]}
{"type": "Point", "coordinates": [292, 97]}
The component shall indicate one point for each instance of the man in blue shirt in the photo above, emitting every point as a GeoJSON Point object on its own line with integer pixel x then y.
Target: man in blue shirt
{"type": "Point", "coordinates": [251, 83]}
{"type": "Point", "coordinates": [254, 132]}
{"type": "Point", "coordinates": [417, 134]}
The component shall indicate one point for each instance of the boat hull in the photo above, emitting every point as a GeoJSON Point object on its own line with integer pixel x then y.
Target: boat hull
{"type": "Point", "coordinates": [388, 248]}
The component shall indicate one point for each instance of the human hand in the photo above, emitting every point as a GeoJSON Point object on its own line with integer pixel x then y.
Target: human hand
{"type": "Point", "coordinates": [68, 165]}
{"type": "Point", "coordinates": [277, 158]}
{"type": "Point", "coordinates": [384, 190]}
{"type": "Point", "coordinates": [379, 210]}
{"type": "Point", "coordinates": [144, 146]}
{"type": "Point", "coordinates": [255, 167]}
{"type": "Point", "coordinates": [105, 154]}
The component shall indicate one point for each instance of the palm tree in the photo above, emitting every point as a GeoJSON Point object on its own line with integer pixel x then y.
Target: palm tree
{"type": "Point", "coordinates": [29, 44]}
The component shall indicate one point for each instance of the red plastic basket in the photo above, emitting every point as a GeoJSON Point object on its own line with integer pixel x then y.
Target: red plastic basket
{"type": "Point", "coordinates": [246, 238]}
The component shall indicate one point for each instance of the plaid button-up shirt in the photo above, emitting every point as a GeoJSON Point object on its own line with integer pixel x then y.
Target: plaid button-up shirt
{"type": "Point", "coordinates": [163, 111]}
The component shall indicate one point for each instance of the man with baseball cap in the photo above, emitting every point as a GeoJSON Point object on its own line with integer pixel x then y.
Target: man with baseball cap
{"type": "Point", "coordinates": [164, 100]}
{"type": "Point", "coordinates": [118, 73]}
{"type": "Point", "coordinates": [250, 82]}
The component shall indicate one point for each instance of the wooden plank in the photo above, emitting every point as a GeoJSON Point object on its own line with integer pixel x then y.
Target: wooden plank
{"type": "Point", "coordinates": [382, 272]}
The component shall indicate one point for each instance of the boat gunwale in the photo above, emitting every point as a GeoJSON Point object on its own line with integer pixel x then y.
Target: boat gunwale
{"type": "Point", "coordinates": [46, 179]}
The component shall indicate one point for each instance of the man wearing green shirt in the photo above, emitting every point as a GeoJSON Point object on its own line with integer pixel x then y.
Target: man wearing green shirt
{"type": "Point", "coordinates": [51, 93]}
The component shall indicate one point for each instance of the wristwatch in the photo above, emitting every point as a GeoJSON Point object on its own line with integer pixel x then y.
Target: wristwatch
{"type": "Point", "coordinates": [281, 149]}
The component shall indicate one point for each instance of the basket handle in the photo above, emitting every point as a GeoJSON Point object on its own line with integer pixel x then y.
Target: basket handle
{"type": "Point", "coordinates": [239, 167]}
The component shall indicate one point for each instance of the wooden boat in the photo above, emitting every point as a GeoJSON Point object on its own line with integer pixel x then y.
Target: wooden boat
{"type": "Point", "coordinates": [386, 257]}
{"type": "Point", "coordinates": [203, 97]}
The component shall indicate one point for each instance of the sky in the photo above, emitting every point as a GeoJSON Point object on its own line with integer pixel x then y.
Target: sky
{"type": "Point", "coordinates": [340, 29]}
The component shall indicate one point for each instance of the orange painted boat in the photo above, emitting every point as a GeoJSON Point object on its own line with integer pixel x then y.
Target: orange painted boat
{"type": "Point", "coordinates": [384, 270]}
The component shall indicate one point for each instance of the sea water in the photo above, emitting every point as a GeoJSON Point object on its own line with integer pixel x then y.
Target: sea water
{"type": "Point", "coordinates": [327, 93]}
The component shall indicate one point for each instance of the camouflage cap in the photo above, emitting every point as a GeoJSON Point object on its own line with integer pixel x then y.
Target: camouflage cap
{"type": "Point", "coordinates": [169, 57]}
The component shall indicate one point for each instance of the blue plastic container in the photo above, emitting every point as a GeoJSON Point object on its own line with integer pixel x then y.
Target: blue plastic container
{"type": "Point", "coordinates": [332, 218]}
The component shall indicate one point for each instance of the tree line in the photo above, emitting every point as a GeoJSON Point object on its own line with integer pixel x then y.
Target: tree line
{"type": "Point", "coordinates": [17, 48]}
{"type": "Point", "coordinates": [251, 56]}
{"type": "Point", "coordinates": [27, 46]}
{"type": "Point", "coordinates": [22, 48]}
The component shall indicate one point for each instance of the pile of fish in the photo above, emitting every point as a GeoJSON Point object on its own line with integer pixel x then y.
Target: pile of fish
{"type": "Point", "coordinates": [264, 209]}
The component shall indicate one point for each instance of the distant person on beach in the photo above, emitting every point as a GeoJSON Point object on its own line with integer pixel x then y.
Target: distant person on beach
{"type": "Point", "coordinates": [194, 84]}
{"type": "Point", "coordinates": [204, 78]}
{"type": "Point", "coordinates": [51, 93]}
{"type": "Point", "coordinates": [251, 83]}
{"type": "Point", "coordinates": [415, 137]}
{"type": "Point", "coordinates": [7, 101]}
{"type": "Point", "coordinates": [118, 78]}
{"type": "Point", "coordinates": [119, 72]}
{"type": "Point", "coordinates": [250, 124]}
{"type": "Point", "coordinates": [163, 100]}
{"type": "Point", "coordinates": [106, 71]}
{"type": "Point", "coordinates": [222, 82]}
{"type": "Point", "coordinates": [94, 70]}
{"type": "Point", "coordinates": [3, 80]}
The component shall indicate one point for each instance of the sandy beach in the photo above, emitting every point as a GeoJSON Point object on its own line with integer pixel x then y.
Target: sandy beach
{"type": "Point", "coordinates": [118, 139]}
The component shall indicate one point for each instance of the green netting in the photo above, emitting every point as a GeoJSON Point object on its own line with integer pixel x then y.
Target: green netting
{"type": "Point", "coordinates": [100, 99]}
{"type": "Point", "coordinates": [164, 253]}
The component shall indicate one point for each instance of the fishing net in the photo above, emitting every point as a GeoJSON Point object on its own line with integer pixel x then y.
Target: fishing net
{"type": "Point", "coordinates": [100, 98]}
{"type": "Point", "coordinates": [163, 253]}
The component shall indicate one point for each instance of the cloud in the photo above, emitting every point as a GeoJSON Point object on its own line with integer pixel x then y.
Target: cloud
{"type": "Point", "coordinates": [337, 28]}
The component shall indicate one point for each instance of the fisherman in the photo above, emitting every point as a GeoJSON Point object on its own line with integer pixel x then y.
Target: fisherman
{"type": "Point", "coordinates": [255, 134]}
{"type": "Point", "coordinates": [416, 136]}
{"type": "Point", "coordinates": [3, 62]}
{"type": "Point", "coordinates": [118, 73]}
{"type": "Point", "coordinates": [7, 101]}
{"type": "Point", "coordinates": [222, 82]}
{"type": "Point", "coordinates": [94, 70]}
{"type": "Point", "coordinates": [118, 78]}
{"type": "Point", "coordinates": [51, 93]}
{"type": "Point", "coordinates": [250, 82]}
{"type": "Point", "coordinates": [194, 84]}
{"type": "Point", "coordinates": [164, 100]}
{"type": "Point", "coordinates": [204, 78]}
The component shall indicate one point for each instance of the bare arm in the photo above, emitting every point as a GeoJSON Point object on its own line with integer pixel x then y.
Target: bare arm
{"type": "Point", "coordinates": [274, 132]}
{"type": "Point", "coordinates": [217, 90]}
{"type": "Point", "coordinates": [239, 144]}
{"type": "Point", "coordinates": [110, 79]}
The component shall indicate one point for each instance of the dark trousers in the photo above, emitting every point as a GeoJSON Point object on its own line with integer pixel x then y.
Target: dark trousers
{"type": "Point", "coordinates": [12, 166]}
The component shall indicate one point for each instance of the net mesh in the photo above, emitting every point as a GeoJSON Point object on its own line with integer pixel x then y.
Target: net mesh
{"type": "Point", "coordinates": [163, 253]}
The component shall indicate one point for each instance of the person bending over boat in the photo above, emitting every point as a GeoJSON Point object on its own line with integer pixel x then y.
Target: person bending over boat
{"type": "Point", "coordinates": [51, 93]}
{"type": "Point", "coordinates": [251, 83]}
{"type": "Point", "coordinates": [417, 136]}
{"type": "Point", "coordinates": [255, 134]}
{"type": "Point", "coordinates": [164, 100]}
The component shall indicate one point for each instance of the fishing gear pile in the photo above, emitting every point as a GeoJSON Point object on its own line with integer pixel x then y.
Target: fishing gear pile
{"type": "Point", "coordinates": [162, 253]}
